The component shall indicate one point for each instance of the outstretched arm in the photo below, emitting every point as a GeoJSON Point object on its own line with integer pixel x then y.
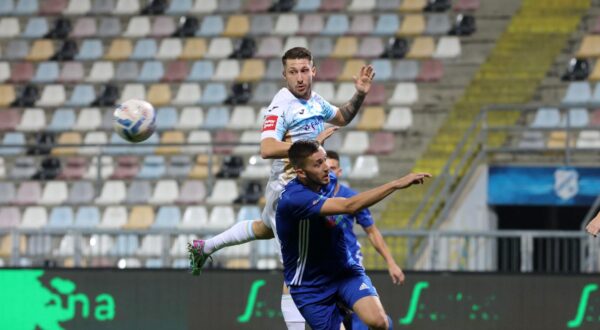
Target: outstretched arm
{"type": "Point", "coordinates": [379, 244]}
{"type": "Point", "coordinates": [333, 206]}
{"type": "Point", "coordinates": [594, 226]}
{"type": "Point", "coordinates": [348, 111]}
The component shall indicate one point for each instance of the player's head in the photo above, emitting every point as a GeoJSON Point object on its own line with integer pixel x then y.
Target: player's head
{"type": "Point", "coordinates": [333, 160]}
{"type": "Point", "coordinates": [299, 71]}
{"type": "Point", "coordinates": [310, 162]}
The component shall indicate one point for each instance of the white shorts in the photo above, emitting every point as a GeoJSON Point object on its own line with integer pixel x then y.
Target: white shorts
{"type": "Point", "coordinates": [272, 195]}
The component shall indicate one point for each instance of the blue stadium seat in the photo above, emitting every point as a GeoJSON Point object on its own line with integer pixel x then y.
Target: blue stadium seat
{"type": "Point", "coordinates": [6, 7]}
{"type": "Point", "coordinates": [578, 117]}
{"type": "Point", "coordinates": [213, 93]}
{"type": "Point", "coordinates": [578, 92]}
{"type": "Point", "coordinates": [383, 69]}
{"type": "Point", "coordinates": [143, 148]}
{"type": "Point", "coordinates": [151, 71]}
{"type": "Point", "coordinates": [211, 26]}
{"type": "Point", "coordinates": [336, 25]}
{"type": "Point", "coordinates": [82, 95]}
{"type": "Point", "coordinates": [546, 117]}
{"type": "Point", "coordinates": [153, 167]}
{"type": "Point", "coordinates": [125, 245]}
{"type": "Point", "coordinates": [26, 7]}
{"type": "Point", "coordinates": [61, 217]}
{"type": "Point", "coordinates": [387, 24]}
{"type": "Point", "coordinates": [112, 149]}
{"type": "Point", "coordinates": [127, 71]}
{"type": "Point", "coordinates": [167, 217]}
{"type": "Point", "coordinates": [87, 217]}
{"type": "Point", "coordinates": [90, 49]}
{"type": "Point", "coordinates": [36, 27]}
{"type": "Point", "coordinates": [144, 49]}
{"type": "Point", "coordinates": [263, 93]}
{"type": "Point", "coordinates": [12, 138]}
{"type": "Point", "coordinates": [46, 72]}
{"type": "Point", "coordinates": [307, 5]}
{"type": "Point", "coordinates": [62, 120]}
{"type": "Point", "coordinates": [201, 71]}
{"type": "Point", "coordinates": [166, 118]}
{"type": "Point", "coordinates": [217, 117]}
{"type": "Point", "coordinates": [248, 212]}
{"type": "Point", "coordinates": [179, 7]}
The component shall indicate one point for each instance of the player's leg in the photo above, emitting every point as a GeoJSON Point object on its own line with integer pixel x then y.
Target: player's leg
{"type": "Point", "coordinates": [359, 293]}
{"type": "Point", "coordinates": [291, 315]}
{"type": "Point", "coordinates": [319, 307]}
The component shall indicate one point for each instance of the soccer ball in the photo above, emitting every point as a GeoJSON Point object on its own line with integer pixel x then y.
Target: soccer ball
{"type": "Point", "coordinates": [135, 120]}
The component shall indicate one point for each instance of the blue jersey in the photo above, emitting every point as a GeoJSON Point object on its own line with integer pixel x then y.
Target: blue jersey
{"type": "Point", "coordinates": [313, 246]}
{"type": "Point", "coordinates": [290, 119]}
{"type": "Point", "coordinates": [363, 218]}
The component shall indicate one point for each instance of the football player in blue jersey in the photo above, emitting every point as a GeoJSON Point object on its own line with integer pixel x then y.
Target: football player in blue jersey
{"type": "Point", "coordinates": [318, 268]}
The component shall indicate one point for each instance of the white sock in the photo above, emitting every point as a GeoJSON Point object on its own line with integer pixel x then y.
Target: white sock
{"type": "Point", "coordinates": [291, 314]}
{"type": "Point", "coordinates": [237, 234]}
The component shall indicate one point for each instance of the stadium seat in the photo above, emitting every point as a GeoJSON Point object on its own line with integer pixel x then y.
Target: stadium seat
{"type": "Point", "coordinates": [261, 25]}
{"type": "Point", "coordinates": [447, 47]}
{"type": "Point", "coordinates": [202, 138]}
{"type": "Point", "coordinates": [127, 168]}
{"type": "Point", "coordinates": [370, 47]}
{"type": "Point", "coordinates": [372, 119]}
{"type": "Point", "coordinates": [4, 71]}
{"type": "Point", "coordinates": [17, 50]}
{"type": "Point", "coordinates": [257, 168]}
{"type": "Point", "coordinates": [153, 167]}
{"type": "Point", "coordinates": [82, 95]}
{"type": "Point", "coordinates": [119, 50]}
{"type": "Point", "coordinates": [90, 49]}
{"type": "Point", "coordinates": [113, 192]}
{"type": "Point", "coordinates": [163, 26]}
{"type": "Point", "coordinates": [217, 117]}
{"type": "Point", "coordinates": [36, 28]}
{"type": "Point", "coordinates": [10, 217]}
{"type": "Point", "coordinates": [404, 93]}
{"type": "Point", "coordinates": [431, 71]}
{"type": "Point", "coordinates": [399, 119]}
{"type": "Point", "coordinates": [413, 5]}
{"type": "Point", "coordinates": [179, 7]}
{"type": "Point", "coordinates": [190, 118]}
{"type": "Point", "coordinates": [412, 24]}
{"type": "Point", "coordinates": [167, 217]}
{"type": "Point", "coordinates": [422, 47]}
{"type": "Point", "coordinates": [224, 192]}
{"type": "Point", "coordinates": [145, 49]}
{"type": "Point", "coordinates": [321, 46]}
{"type": "Point", "coordinates": [295, 41]}
{"type": "Point", "coordinates": [126, 7]}
{"type": "Point", "coordinates": [165, 192]}
{"type": "Point", "coordinates": [312, 24]}
{"type": "Point", "coordinates": [466, 5]}
{"type": "Point", "coordinates": [71, 72]}
{"type": "Point", "coordinates": [382, 143]}
{"type": "Point", "coordinates": [28, 193]}
{"type": "Point", "coordinates": [151, 71]}
{"type": "Point", "coordinates": [7, 95]}
{"type": "Point", "coordinates": [219, 48]}
{"type": "Point", "coordinates": [170, 48]}
{"type": "Point", "coordinates": [333, 5]}
{"type": "Point", "coordinates": [286, 24]}
{"type": "Point", "coordinates": [175, 138]}
{"type": "Point", "coordinates": [138, 27]}
{"type": "Point", "coordinates": [406, 70]}
{"type": "Point", "coordinates": [114, 217]}
{"type": "Point", "coordinates": [192, 192]}
{"type": "Point", "coordinates": [74, 168]}
{"type": "Point", "coordinates": [227, 70]}
{"type": "Point", "coordinates": [109, 27]}
{"type": "Point", "coordinates": [151, 246]}
{"type": "Point", "coordinates": [438, 24]}
{"type": "Point", "coordinates": [81, 192]}
{"type": "Point", "coordinates": [365, 167]}
{"type": "Point", "coordinates": [179, 167]}
{"type": "Point", "coordinates": [248, 137]}
{"type": "Point", "coordinates": [46, 72]}
{"type": "Point", "coordinates": [41, 50]}
{"type": "Point", "coordinates": [546, 117]}
{"type": "Point", "coordinates": [7, 192]}
{"type": "Point", "coordinates": [159, 94]}
{"type": "Point", "coordinates": [211, 26]}
{"type": "Point", "coordinates": [52, 96]}
{"type": "Point", "coordinates": [242, 117]}
{"type": "Point", "coordinates": [361, 5]}
{"type": "Point", "coordinates": [252, 70]}
{"type": "Point", "coordinates": [269, 47]}
{"type": "Point", "coordinates": [33, 119]}
{"type": "Point", "coordinates": [221, 218]}
{"type": "Point", "coordinates": [237, 26]}
{"type": "Point", "coordinates": [26, 8]}
{"type": "Point", "coordinates": [101, 71]}
{"type": "Point", "coordinates": [55, 193]}
{"type": "Point", "coordinates": [34, 217]}
{"type": "Point", "coordinates": [193, 49]}
{"type": "Point", "coordinates": [61, 217]}
{"type": "Point", "coordinates": [9, 119]}
{"type": "Point", "coordinates": [9, 26]}
{"type": "Point", "coordinates": [125, 245]}
{"type": "Point", "coordinates": [229, 6]}
{"type": "Point", "coordinates": [89, 119]}
{"type": "Point", "coordinates": [345, 47]}
{"type": "Point", "coordinates": [62, 120]}
{"type": "Point", "coordinates": [589, 47]}
{"type": "Point", "coordinates": [214, 93]}
{"type": "Point", "coordinates": [355, 143]}
{"type": "Point", "coordinates": [387, 24]}
{"type": "Point", "coordinates": [264, 92]}
{"type": "Point", "coordinates": [138, 192]}
{"type": "Point", "coordinates": [588, 139]}
{"type": "Point", "coordinates": [80, 7]}
{"type": "Point", "coordinates": [23, 168]}
{"type": "Point", "coordinates": [194, 217]}
{"type": "Point", "coordinates": [532, 140]}
{"type": "Point", "coordinates": [307, 5]}
{"type": "Point", "coordinates": [336, 25]}
{"type": "Point", "coordinates": [140, 217]}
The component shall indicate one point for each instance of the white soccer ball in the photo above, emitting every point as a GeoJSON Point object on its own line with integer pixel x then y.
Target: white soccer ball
{"type": "Point", "coordinates": [135, 120]}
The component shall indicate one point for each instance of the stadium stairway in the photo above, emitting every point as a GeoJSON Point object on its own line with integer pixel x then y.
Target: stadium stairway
{"type": "Point", "coordinates": [511, 74]}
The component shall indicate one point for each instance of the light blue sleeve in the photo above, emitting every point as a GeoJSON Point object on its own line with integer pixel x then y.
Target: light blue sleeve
{"type": "Point", "coordinates": [329, 110]}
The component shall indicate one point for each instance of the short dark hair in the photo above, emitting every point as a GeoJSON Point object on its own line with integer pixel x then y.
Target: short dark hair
{"type": "Point", "coordinates": [333, 155]}
{"type": "Point", "coordinates": [300, 150]}
{"type": "Point", "coordinates": [296, 53]}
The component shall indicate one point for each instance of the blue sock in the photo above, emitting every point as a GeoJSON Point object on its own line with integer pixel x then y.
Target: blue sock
{"type": "Point", "coordinates": [390, 322]}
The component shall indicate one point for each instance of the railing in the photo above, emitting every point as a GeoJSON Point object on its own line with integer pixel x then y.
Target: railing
{"type": "Point", "coordinates": [504, 251]}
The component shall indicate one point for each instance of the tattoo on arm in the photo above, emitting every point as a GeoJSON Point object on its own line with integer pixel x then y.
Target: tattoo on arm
{"type": "Point", "coordinates": [350, 109]}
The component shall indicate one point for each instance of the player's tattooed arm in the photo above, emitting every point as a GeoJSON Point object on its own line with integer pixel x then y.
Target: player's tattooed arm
{"type": "Point", "coordinates": [350, 109]}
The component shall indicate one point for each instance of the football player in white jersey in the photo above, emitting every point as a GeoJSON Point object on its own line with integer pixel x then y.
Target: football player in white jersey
{"type": "Point", "coordinates": [296, 112]}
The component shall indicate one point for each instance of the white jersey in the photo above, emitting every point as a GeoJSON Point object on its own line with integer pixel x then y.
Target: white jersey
{"type": "Point", "coordinates": [290, 119]}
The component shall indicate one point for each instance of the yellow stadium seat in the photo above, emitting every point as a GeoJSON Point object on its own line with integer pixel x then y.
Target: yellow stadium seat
{"type": "Point", "coordinates": [159, 94]}
{"type": "Point", "coordinates": [193, 49]}
{"type": "Point", "coordinates": [413, 24]}
{"type": "Point", "coordinates": [252, 70]}
{"type": "Point", "coordinates": [41, 50]}
{"type": "Point", "coordinates": [413, 5]}
{"type": "Point", "coordinates": [7, 95]}
{"type": "Point", "coordinates": [351, 69]}
{"type": "Point", "coordinates": [67, 138]}
{"type": "Point", "coordinates": [590, 46]}
{"type": "Point", "coordinates": [345, 47]}
{"type": "Point", "coordinates": [237, 26]}
{"type": "Point", "coordinates": [422, 47]}
{"type": "Point", "coordinates": [170, 137]}
{"type": "Point", "coordinates": [595, 75]}
{"type": "Point", "coordinates": [372, 119]}
{"type": "Point", "coordinates": [140, 217]}
{"type": "Point", "coordinates": [120, 49]}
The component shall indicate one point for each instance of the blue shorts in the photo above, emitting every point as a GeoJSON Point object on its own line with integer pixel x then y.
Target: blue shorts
{"type": "Point", "coordinates": [319, 306]}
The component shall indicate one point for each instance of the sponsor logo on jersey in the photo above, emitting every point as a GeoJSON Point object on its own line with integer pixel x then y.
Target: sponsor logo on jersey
{"type": "Point", "coordinates": [270, 123]}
